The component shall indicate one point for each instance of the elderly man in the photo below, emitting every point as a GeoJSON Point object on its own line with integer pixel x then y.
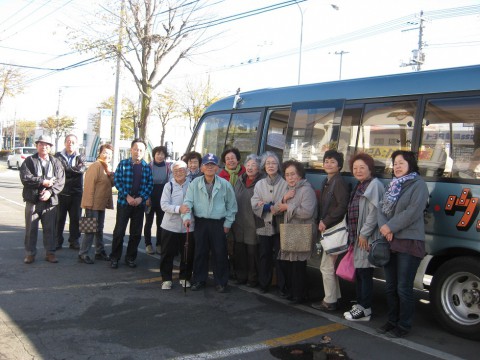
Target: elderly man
{"type": "Point", "coordinates": [133, 180]}
{"type": "Point", "coordinates": [214, 206]}
{"type": "Point", "coordinates": [71, 196]}
{"type": "Point", "coordinates": [43, 179]}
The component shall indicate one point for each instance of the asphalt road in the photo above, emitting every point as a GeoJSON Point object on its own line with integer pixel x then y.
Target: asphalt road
{"type": "Point", "coordinates": [72, 310]}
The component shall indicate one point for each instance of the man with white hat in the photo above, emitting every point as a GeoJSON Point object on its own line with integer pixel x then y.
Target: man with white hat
{"type": "Point", "coordinates": [43, 179]}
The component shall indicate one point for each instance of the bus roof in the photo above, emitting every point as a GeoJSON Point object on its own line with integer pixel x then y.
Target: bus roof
{"type": "Point", "coordinates": [422, 82]}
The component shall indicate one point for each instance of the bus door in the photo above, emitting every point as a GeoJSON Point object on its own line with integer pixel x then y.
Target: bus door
{"type": "Point", "coordinates": [313, 128]}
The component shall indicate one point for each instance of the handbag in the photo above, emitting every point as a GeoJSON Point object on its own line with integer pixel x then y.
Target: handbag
{"type": "Point", "coordinates": [296, 237]}
{"type": "Point", "coordinates": [379, 254]}
{"type": "Point", "coordinates": [346, 268]}
{"type": "Point", "coordinates": [334, 240]}
{"type": "Point", "coordinates": [87, 224]}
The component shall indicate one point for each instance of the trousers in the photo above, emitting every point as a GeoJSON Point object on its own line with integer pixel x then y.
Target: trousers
{"type": "Point", "coordinates": [45, 213]}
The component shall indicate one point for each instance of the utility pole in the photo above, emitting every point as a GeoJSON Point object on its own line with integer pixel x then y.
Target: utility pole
{"type": "Point", "coordinates": [341, 61]}
{"type": "Point", "coordinates": [117, 109]}
{"type": "Point", "coordinates": [418, 56]}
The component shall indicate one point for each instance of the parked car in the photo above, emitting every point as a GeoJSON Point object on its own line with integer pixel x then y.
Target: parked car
{"type": "Point", "coordinates": [19, 155]}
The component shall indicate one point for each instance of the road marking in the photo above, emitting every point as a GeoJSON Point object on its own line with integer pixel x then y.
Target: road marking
{"type": "Point", "coordinates": [264, 345]}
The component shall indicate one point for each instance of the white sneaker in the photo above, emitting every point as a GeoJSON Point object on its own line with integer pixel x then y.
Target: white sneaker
{"type": "Point", "coordinates": [185, 283]}
{"type": "Point", "coordinates": [166, 285]}
{"type": "Point", "coordinates": [359, 314]}
{"type": "Point", "coordinates": [348, 312]}
{"type": "Point", "coordinates": [149, 250]}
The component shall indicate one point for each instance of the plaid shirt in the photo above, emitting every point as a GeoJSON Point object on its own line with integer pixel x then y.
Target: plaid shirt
{"type": "Point", "coordinates": [124, 181]}
{"type": "Point", "coordinates": [353, 210]}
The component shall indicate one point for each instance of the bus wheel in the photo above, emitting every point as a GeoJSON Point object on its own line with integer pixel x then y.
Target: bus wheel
{"type": "Point", "coordinates": [455, 296]}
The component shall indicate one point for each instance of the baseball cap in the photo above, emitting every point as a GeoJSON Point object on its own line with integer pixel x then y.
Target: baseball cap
{"type": "Point", "coordinates": [210, 159]}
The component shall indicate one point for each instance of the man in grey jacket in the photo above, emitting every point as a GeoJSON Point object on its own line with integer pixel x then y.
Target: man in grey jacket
{"type": "Point", "coordinates": [43, 179]}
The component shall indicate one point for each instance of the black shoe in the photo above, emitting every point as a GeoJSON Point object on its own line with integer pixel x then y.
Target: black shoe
{"type": "Point", "coordinates": [74, 246]}
{"type": "Point", "coordinates": [263, 289]}
{"type": "Point", "coordinates": [397, 332]}
{"type": "Point", "coordinates": [221, 289]}
{"type": "Point", "coordinates": [296, 300]}
{"type": "Point", "coordinates": [58, 247]}
{"type": "Point", "coordinates": [197, 286]}
{"type": "Point", "coordinates": [130, 263]}
{"type": "Point", "coordinates": [85, 259]}
{"type": "Point", "coordinates": [284, 295]}
{"type": "Point", "coordinates": [102, 256]}
{"type": "Point", "coordinates": [240, 282]}
{"type": "Point", "coordinates": [385, 328]}
{"type": "Point", "coordinates": [252, 284]}
{"type": "Point", "coordinates": [324, 306]}
{"type": "Point", "coordinates": [114, 264]}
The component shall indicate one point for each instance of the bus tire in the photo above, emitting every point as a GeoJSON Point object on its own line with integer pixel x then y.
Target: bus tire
{"type": "Point", "coordinates": [455, 296]}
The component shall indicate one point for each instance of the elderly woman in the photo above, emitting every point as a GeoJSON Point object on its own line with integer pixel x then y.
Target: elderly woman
{"type": "Point", "coordinates": [231, 158]}
{"type": "Point", "coordinates": [402, 224]}
{"type": "Point", "coordinates": [362, 230]}
{"type": "Point", "coordinates": [299, 205]}
{"type": "Point", "coordinates": [173, 231]}
{"type": "Point", "coordinates": [194, 162]}
{"type": "Point", "coordinates": [332, 209]}
{"type": "Point", "coordinates": [161, 175]}
{"type": "Point", "coordinates": [97, 196]}
{"type": "Point", "coordinates": [267, 195]}
{"type": "Point", "coordinates": [245, 254]}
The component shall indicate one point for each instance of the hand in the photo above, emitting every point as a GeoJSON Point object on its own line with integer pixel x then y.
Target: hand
{"type": "Point", "coordinates": [260, 204]}
{"type": "Point", "coordinates": [48, 183]}
{"type": "Point", "coordinates": [138, 201]}
{"type": "Point", "coordinates": [321, 226]}
{"type": "Point", "coordinates": [362, 243]}
{"type": "Point", "coordinates": [148, 202]}
{"type": "Point", "coordinates": [186, 223]}
{"type": "Point", "coordinates": [45, 195]}
{"type": "Point", "coordinates": [184, 209]}
{"type": "Point", "coordinates": [226, 230]}
{"type": "Point", "coordinates": [130, 200]}
{"type": "Point", "coordinates": [289, 195]}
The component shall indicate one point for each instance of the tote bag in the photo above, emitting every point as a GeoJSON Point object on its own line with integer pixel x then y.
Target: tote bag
{"type": "Point", "coordinates": [346, 268]}
{"type": "Point", "coordinates": [334, 240]}
{"type": "Point", "coordinates": [296, 237]}
{"type": "Point", "coordinates": [88, 224]}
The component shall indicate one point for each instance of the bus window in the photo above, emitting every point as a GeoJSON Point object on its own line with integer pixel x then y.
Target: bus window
{"type": "Point", "coordinates": [210, 136]}
{"type": "Point", "coordinates": [242, 133]}
{"type": "Point", "coordinates": [312, 130]}
{"type": "Point", "coordinates": [347, 140]}
{"type": "Point", "coordinates": [386, 127]}
{"type": "Point", "coordinates": [450, 144]}
{"type": "Point", "coordinates": [277, 129]}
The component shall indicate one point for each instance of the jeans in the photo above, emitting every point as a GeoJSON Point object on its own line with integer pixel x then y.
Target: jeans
{"type": "Point", "coordinates": [147, 230]}
{"type": "Point", "coordinates": [134, 214]}
{"type": "Point", "coordinates": [399, 275]}
{"type": "Point", "coordinates": [268, 249]}
{"type": "Point", "coordinates": [88, 237]}
{"type": "Point", "coordinates": [331, 286]}
{"type": "Point", "coordinates": [364, 286]}
{"type": "Point", "coordinates": [46, 214]}
{"type": "Point", "coordinates": [68, 204]}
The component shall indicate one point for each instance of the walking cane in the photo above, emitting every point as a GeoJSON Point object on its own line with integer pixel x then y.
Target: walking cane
{"type": "Point", "coordinates": [185, 255]}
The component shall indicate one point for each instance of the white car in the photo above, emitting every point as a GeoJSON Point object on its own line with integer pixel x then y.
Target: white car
{"type": "Point", "coordinates": [19, 155]}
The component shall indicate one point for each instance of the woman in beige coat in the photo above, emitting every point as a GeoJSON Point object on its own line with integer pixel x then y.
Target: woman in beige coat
{"type": "Point", "coordinates": [97, 196]}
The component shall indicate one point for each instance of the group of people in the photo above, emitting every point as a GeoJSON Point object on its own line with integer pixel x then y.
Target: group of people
{"type": "Point", "coordinates": [234, 216]}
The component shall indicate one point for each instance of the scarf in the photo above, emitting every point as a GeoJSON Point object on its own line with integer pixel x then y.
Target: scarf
{"type": "Point", "coordinates": [393, 192]}
{"type": "Point", "coordinates": [354, 210]}
{"type": "Point", "coordinates": [233, 174]}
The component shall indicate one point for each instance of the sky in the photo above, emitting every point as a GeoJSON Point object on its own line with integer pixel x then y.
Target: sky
{"type": "Point", "coordinates": [260, 51]}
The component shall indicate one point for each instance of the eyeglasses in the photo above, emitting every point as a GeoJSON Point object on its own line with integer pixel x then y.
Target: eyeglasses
{"type": "Point", "coordinates": [271, 164]}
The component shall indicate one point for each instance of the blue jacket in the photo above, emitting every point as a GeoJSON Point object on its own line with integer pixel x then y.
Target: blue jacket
{"type": "Point", "coordinates": [124, 181]}
{"type": "Point", "coordinates": [222, 204]}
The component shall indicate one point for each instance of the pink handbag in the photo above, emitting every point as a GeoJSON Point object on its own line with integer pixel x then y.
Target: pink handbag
{"type": "Point", "coordinates": [346, 269]}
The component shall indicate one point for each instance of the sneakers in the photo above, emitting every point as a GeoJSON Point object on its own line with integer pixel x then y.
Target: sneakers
{"type": "Point", "coordinates": [149, 250]}
{"type": "Point", "coordinates": [166, 285]}
{"type": "Point", "coordinates": [385, 328]}
{"type": "Point", "coordinates": [185, 283]}
{"type": "Point", "coordinates": [358, 313]}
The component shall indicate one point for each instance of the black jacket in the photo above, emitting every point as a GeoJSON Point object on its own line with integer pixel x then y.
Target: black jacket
{"type": "Point", "coordinates": [73, 174]}
{"type": "Point", "coordinates": [32, 178]}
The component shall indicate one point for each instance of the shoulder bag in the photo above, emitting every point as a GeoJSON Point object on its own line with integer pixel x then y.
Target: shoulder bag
{"type": "Point", "coordinates": [334, 240]}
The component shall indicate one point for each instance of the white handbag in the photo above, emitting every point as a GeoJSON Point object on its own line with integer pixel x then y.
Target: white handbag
{"type": "Point", "coordinates": [334, 240]}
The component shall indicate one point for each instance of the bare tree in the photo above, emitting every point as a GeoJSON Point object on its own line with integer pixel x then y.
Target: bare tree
{"type": "Point", "coordinates": [159, 34]}
{"type": "Point", "coordinates": [25, 130]}
{"type": "Point", "coordinates": [195, 100]}
{"type": "Point", "coordinates": [11, 82]}
{"type": "Point", "coordinates": [58, 126]}
{"type": "Point", "coordinates": [167, 108]}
